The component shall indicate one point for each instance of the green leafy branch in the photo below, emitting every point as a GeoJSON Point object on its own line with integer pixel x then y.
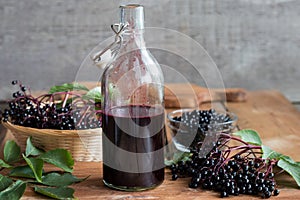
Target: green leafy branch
{"type": "Point", "coordinates": [252, 139]}
{"type": "Point", "coordinates": [93, 94]}
{"type": "Point", "coordinates": [283, 161]}
{"type": "Point", "coordinates": [51, 184]}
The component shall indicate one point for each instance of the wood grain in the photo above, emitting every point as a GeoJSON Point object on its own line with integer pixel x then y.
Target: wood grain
{"type": "Point", "coordinates": [274, 117]}
{"type": "Point", "coordinates": [191, 95]}
{"type": "Point", "coordinates": [266, 111]}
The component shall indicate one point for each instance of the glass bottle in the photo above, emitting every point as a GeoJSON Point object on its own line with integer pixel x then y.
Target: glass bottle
{"type": "Point", "coordinates": [133, 111]}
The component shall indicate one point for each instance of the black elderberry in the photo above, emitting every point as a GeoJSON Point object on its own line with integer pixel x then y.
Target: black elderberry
{"type": "Point", "coordinates": [245, 168]}
{"type": "Point", "coordinates": [237, 157]}
{"type": "Point", "coordinates": [260, 181]}
{"type": "Point", "coordinates": [265, 189]}
{"type": "Point", "coordinates": [261, 175]}
{"type": "Point", "coordinates": [251, 163]}
{"type": "Point", "coordinates": [210, 184]}
{"type": "Point", "coordinates": [193, 185]}
{"type": "Point", "coordinates": [231, 163]}
{"type": "Point", "coordinates": [272, 183]}
{"type": "Point", "coordinates": [196, 180]}
{"type": "Point", "coordinates": [227, 185]}
{"type": "Point", "coordinates": [207, 163]}
{"type": "Point", "coordinates": [271, 175]}
{"type": "Point", "coordinates": [174, 177]}
{"type": "Point", "coordinates": [237, 191]}
{"type": "Point", "coordinates": [23, 88]}
{"type": "Point", "coordinates": [6, 112]}
{"type": "Point", "coordinates": [191, 171]}
{"type": "Point", "coordinates": [271, 188]}
{"type": "Point", "coordinates": [252, 177]}
{"type": "Point", "coordinates": [256, 165]}
{"type": "Point", "coordinates": [224, 194]}
{"type": "Point", "coordinates": [204, 173]}
{"type": "Point", "coordinates": [267, 194]}
{"type": "Point", "coordinates": [205, 185]}
{"type": "Point", "coordinates": [227, 167]}
{"type": "Point", "coordinates": [246, 180]}
{"type": "Point", "coordinates": [267, 182]}
{"type": "Point", "coordinates": [15, 95]}
{"type": "Point", "coordinates": [276, 192]}
{"type": "Point", "coordinates": [14, 82]}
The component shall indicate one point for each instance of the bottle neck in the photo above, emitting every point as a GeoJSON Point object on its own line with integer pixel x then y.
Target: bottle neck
{"type": "Point", "coordinates": [133, 40]}
{"type": "Point", "coordinates": [133, 15]}
{"type": "Point", "coordinates": [133, 36]}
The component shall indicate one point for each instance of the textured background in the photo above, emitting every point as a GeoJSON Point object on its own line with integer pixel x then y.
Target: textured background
{"type": "Point", "coordinates": [255, 44]}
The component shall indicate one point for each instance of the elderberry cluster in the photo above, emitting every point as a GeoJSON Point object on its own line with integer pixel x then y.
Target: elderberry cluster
{"type": "Point", "coordinates": [241, 173]}
{"type": "Point", "coordinates": [46, 113]}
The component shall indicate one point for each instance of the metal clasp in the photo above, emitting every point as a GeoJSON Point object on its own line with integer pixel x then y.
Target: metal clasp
{"type": "Point", "coordinates": [114, 47]}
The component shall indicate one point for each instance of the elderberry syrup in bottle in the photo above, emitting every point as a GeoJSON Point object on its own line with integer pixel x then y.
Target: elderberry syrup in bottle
{"type": "Point", "coordinates": [133, 112]}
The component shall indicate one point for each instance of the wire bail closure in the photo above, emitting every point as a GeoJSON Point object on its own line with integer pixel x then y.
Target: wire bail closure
{"type": "Point", "coordinates": [118, 29]}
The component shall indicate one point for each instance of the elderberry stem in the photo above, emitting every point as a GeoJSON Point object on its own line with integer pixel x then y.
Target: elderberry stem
{"type": "Point", "coordinates": [232, 138]}
{"type": "Point", "coordinates": [248, 147]}
{"type": "Point", "coordinates": [43, 97]}
{"type": "Point", "coordinates": [65, 100]}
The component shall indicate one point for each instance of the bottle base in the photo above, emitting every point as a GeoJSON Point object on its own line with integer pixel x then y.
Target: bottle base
{"type": "Point", "coordinates": [129, 189]}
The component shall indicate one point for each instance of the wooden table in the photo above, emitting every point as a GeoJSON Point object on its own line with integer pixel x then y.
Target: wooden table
{"type": "Point", "coordinates": [268, 112]}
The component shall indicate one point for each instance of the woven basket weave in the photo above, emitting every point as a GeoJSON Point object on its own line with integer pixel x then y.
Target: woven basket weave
{"type": "Point", "coordinates": [84, 145]}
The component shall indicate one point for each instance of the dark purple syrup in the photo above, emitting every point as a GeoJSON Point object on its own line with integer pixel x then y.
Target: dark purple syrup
{"type": "Point", "coordinates": [135, 129]}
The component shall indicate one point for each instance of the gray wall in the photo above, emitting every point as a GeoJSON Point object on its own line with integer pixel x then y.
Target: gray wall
{"type": "Point", "coordinates": [255, 43]}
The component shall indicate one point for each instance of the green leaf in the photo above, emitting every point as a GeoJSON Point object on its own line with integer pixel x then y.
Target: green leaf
{"type": "Point", "coordinates": [249, 136]}
{"type": "Point", "coordinates": [5, 182]}
{"type": "Point", "coordinates": [269, 153]}
{"type": "Point", "coordinates": [168, 162]}
{"type": "Point", "coordinates": [178, 156]}
{"type": "Point", "coordinates": [56, 193]}
{"type": "Point", "coordinates": [67, 87]}
{"type": "Point", "coordinates": [22, 171]}
{"type": "Point", "coordinates": [14, 191]}
{"type": "Point", "coordinates": [60, 158]}
{"type": "Point", "coordinates": [31, 149]}
{"type": "Point", "coordinates": [94, 94]}
{"type": "Point", "coordinates": [4, 164]}
{"type": "Point", "coordinates": [291, 167]}
{"type": "Point", "coordinates": [12, 151]}
{"type": "Point", "coordinates": [36, 166]}
{"type": "Point", "coordinates": [289, 159]}
{"type": "Point", "coordinates": [56, 179]}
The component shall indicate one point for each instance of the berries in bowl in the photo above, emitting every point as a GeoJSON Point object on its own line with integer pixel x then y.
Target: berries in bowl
{"type": "Point", "coordinates": [190, 127]}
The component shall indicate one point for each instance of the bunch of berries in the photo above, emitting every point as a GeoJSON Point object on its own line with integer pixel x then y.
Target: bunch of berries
{"type": "Point", "coordinates": [46, 112]}
{"type": "Point", "coordinates": [229, 170]}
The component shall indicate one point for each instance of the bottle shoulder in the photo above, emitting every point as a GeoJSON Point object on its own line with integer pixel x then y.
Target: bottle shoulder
{"type": "Point", "coordinates": [137, 60]}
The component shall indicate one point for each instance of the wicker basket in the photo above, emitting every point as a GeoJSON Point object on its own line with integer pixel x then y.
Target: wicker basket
{"type": "Point", "coordinates": [85, 145]}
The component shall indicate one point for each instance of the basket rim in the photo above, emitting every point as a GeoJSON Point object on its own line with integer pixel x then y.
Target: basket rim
{"type": "Point", "coordinates": [56, 132]}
